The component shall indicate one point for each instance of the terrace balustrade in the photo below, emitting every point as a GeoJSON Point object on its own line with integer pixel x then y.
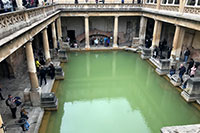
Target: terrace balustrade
{"type": "Point", "coordinates": [14, 21]}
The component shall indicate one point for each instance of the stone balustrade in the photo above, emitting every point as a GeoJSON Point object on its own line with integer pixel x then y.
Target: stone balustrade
{"type": "Point", "coordinates": [192, 10]}
{"type": "Point", "coordinates": [170, 7]}
{"type": "Point", "coordinates": [14, 21]}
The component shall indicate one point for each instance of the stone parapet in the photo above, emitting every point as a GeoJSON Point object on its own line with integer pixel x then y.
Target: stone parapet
{"type": "Point", "coordinates": [192, 91]}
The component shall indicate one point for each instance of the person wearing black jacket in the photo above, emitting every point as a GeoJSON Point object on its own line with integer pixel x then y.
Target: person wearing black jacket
{"type": "Point", "coordinates": [182, 70]}
{"type": "Point", "coordinates": [42, 75]}
{"type": "Point", "coordinates": [191, 64]}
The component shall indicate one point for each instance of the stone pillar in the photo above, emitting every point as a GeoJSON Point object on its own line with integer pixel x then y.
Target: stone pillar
{"type": "Point", "coordinates": [177, 42]}
{"type": "Point", "coordinates": [158, 4]}
{"type": "Point", "coordinates": [46, 45]}
{"type": "Point", "coordinates": [53, 28]}
{"type": "Point", "coordinates": [87, 37]}
{"type": "Point", "coordinates": [35, 89]}
{"type": "Point", "coordinates": [115, 32]}
{"type": "Point", "coordinates": [59, 30]}
{"type": "Point", "coordinates": [156, 33]}
{"type": "Point", "coordinates": [31, 66]}
{"type": "Point", "coordinates": [142, 32]}
{"type": "Point", "coordinates": [182, 5]}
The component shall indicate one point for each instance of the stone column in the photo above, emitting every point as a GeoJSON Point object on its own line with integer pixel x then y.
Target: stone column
{"type": "Point", "coordinates": [59, 30]}
{"type": "Point", "coordinates": [53, 28]}
{"type": "Point", "coordinates": [87, 37]}
{"type": "Point", "coordinates": [156, 33]}
{"type": "Point", "coordinates": [31, 66]}
{"type": "Point", "coordinates": [177, 42]}
{"type": "Point", "coordinates": [46, 45]}
{"type": "Point", "coordinates": [35, 89]}
{"type": "Point", "coordinates": [142, 32]}
{"type": "Point", "coordinates": [182, 5]}
{"type": "Point", "coordinates": [115, 32]}
{"type": "Point", "coordinates": [158, 4]}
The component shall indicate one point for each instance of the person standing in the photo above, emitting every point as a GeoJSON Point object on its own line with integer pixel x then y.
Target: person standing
{"type": "Point", "coordinates": [193, 71]}
{"type": "Point", "coordinates": [42, 75]}
{"type": "Point", "coordinates": [122, 1]}
{"type": "Point", "coordinates": [186, 54]}
{"type": "Point", "coordinates": [12, 105]}
{"type": "Point", "coordinates": [52, 70]}
{"type": "Point", "coordinates": [96, 1]}
{"type": "Point", "coordinates": [1, 94]}
{"type": "Point", "coordinates": [76, 1]}
{"type": "Point", "coordinates": [182, 70]}
{"type": "Point", "coordinates": [191, 64]}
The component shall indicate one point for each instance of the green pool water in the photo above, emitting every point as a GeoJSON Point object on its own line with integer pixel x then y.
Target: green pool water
{"type": "Point", "coordinates": [116, 92]}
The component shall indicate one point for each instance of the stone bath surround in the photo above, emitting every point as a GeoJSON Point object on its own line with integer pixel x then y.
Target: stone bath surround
{"type": "Point", "coordinates": [182, 129]}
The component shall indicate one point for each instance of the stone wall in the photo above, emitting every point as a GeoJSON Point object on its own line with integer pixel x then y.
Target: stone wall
{"type": "Point", "coordinates": [15, 61]}
{"type": "Point", "coordinates": [73, 23]}
{"type": "Point", "coordinates": [167, 33]}
{"type": "Point", "coordinates": [192, 41]}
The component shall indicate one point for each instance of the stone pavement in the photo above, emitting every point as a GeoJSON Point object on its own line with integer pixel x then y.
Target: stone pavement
{"type": "Point", "coordinates": [16, 87]}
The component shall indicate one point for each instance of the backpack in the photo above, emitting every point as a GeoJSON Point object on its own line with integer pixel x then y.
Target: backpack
{"type": "Point", "coordinates": [7, 102]}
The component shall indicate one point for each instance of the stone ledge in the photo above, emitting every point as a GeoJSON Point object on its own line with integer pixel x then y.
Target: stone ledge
{"type": "Point", "coordinates": [182, 129]}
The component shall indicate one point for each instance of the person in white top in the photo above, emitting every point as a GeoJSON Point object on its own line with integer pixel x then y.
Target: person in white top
{"type": "Point", "coordinates": [96, 41]}
{"type": "Point", "coordinates": [193, 71]}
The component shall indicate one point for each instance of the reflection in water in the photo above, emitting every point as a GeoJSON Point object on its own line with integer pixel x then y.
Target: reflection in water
{"type": "Point", "coordinates": [116, 116]}
{"type": "Point", "coordinates": [116, 92]}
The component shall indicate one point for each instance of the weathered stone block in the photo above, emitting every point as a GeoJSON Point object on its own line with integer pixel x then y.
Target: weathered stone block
{"type": "Point", "coordinates": [175, 80]}
{"type": "Point", "coordinates": [27, 99]}
{"type": "Point", "coordinates": [192, 91]}
{"type": "Point", "coordinates": [146, 53]}
{"type": "Point", "coordinates": [35, 97]}
{"type": "Point", "coordinates": [162, 65]}
{"type": "Point", "coordinates": [49, 101]}
{"type": "Point", "coordinates": [59, 73]}
{"type": "Point", "coordinates": [62, 55]}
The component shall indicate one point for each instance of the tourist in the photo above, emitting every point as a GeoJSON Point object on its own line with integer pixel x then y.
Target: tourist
{"type": "Point", "coordinates": [42, 61]}
{"type": "Point", "coordinates": [96, 1]}
{"type": "Point", "coordinates": [12, 105]}
{"type": "Point", "coordinates": [138, 1]}
{"type": "Point", "coordinates": [169, 52]}
{"type": "Point", "coordinates": [96, 41]}
{"type": "Point", "coordinates": [1, 94]}
{"type": "Point", "coordinates": [172, 71]}
{"type": "Point", "coordinates": [23, 120]}
{"type": "Point", "coordinates": [186, 54]}
{"type": "Point", "coordinates": [161, 49]}
{"type": "Point", "coordinates": [191, 64]}
{"type": "Point", "coordinates": [193, 71]}
{"type": "Point", "coordinates": [37, 63]}
{"type": "Point", "coordinates": [7, 5]}
{"type": "Point", "coordinates": [108, 41]}
{"type": "Point", "coordinates": [86, 1]}
{"type": "Point", "coordinates": [103, 1]}
{"type": "Point", "coordinates": [52, 70]}
{"type": "Point", "coordinates": [105, 41]}
{"type": "Point", "coordinates": [155, 52]}
{"type": "Point", "coordinates": [76, 1]}
{"type": "Point", "coordinates": [101, 41]}
{"type": "Point", "coordinates": [122, 1]}
{"type": "Point", "coordinates": [14, 5]}
{"type": "Point", "coordinates": [182, 70]}
{"type": "Point", "coordinates": [42, 75]}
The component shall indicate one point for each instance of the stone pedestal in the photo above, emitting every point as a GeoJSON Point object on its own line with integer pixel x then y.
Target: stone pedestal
{"type": "Point", "coordinates": [162, 65]}
{"type": "Point", "coordinates": [35, 97]}
{"type": "Point", "coordinates": [175, 80]}
{"type": "Point", "coordinates": [146, 53]}
{"type": "Point", "coordinates": [27, 99]}
{"type": "Point", "coordinates": [59, 73]}
{"type": "Point", "coordinates": [192, 91]}
{"type": "Point", "coordinates": [49, 101]}
{"type": "Point", "coordinates": [65, 45]}
{"type": "Point", "coordinates": [62, 54]}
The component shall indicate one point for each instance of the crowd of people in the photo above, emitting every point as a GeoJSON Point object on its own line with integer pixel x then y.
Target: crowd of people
{"type": "Point", "coordinates": [96, 41]}
{"type": "Point", "coordinates": [158, 50]}
{"type": "Point", "coordinates": [13, 103]}
{"type": "Point", "coordinates": [186, 68]}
